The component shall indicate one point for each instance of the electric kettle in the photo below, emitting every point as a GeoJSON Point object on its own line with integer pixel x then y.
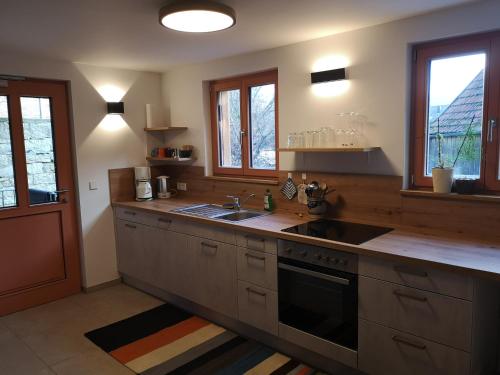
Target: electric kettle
{"type": "Point", "coordinates": [162, 184]}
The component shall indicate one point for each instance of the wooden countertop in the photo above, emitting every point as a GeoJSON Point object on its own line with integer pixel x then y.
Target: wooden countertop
{"type": "Point", "coordinates": [404, 244]}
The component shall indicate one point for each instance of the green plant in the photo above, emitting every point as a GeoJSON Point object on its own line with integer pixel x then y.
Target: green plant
{"type": "Point", "coordinates": [467, 151]}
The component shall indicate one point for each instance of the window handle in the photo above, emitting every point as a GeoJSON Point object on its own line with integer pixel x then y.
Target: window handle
{"type": "Point", "coordinates": [492, 123]}
{"type": "Point", "coordinates": [242, 134]}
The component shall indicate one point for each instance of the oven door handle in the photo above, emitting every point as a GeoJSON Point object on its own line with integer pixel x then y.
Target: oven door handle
{"type": "Point", "coordinates": [319, 275]}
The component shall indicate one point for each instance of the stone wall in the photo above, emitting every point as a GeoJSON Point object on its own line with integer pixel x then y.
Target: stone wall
{"type": "Point", "coordinates": [39, 159]}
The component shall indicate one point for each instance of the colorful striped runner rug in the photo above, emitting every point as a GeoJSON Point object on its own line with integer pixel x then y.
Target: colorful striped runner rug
{"type": "Point", "coordinates": [168, 340]}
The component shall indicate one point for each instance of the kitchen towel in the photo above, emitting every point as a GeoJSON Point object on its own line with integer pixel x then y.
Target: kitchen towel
{"type": "Point", "coordinates": [289, 189]}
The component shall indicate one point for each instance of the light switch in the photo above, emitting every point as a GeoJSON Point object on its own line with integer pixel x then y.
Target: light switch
{"type": "Point", "coordinates": [92, 185]}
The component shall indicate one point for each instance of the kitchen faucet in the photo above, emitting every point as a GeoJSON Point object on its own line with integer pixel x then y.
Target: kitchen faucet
{"type": "Point", "coordinates": [236, 204]}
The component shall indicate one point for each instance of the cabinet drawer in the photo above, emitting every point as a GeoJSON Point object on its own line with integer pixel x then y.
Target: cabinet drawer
{"type": "Point", "coordinates": [160, 221]}
{"type": "Point", "coordinates": [385, 351]}
{"type": "Point", "coordinates": [430, 279]}
{"type": "Point", "coordinates": [446, 320]}
{"type": "Point", "coordinates": [204, 231]}
{"type": "Point", "coordinates": [258, 307]}
{"type": "Point", "coordinates": [256, 242]}
{"type": "Point", "coordinates": [258, 268]}
{"type": "Point", "coordinates": [134, 216]}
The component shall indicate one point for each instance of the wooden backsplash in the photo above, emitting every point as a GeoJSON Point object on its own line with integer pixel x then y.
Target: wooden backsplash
{"type": "Point", "coordinates": [371, 198]}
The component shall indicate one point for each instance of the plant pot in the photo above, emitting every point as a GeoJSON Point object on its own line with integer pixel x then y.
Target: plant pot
{"type": "Point", "coordinates": [442, 180]}
{"type": "Point", "coordinates": [465, 186]}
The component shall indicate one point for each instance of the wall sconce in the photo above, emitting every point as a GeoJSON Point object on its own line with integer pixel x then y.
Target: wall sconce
{"type": "Point", "coordinates": [329, 76]}
{"type": "Point", "coordinates": [116, 108]}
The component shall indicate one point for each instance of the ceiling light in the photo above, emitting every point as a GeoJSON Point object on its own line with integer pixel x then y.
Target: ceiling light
{"type": "Point", "coordinates": [197, 16]}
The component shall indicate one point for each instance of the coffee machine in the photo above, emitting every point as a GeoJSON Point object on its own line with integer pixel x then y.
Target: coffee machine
{"type": "Point", "coordinates": [143, 191]}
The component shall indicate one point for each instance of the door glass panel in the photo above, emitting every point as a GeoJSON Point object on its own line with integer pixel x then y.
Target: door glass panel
{"type": "Point", "coordinates": [39, 146]}
{"type": "Point", "coordinates": [262, 127]}
{"type": "Point", "coordinates": [455, 114]}
{"type": "Point", "coordinates": [229, 128]}
{"type": "Point", "coordinates": [7, 180]}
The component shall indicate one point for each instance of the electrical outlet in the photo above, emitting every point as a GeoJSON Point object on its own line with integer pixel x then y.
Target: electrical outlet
{"type": "Point", "coordinates": [182, 186]}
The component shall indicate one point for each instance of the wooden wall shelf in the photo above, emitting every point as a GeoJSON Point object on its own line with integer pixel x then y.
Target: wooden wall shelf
{"type": "Point", "coordinates": [165, 129]}
{"type": "Point", "coordinates": [338, 149]}
{"type": "Point", "coordinates": [170, 160]}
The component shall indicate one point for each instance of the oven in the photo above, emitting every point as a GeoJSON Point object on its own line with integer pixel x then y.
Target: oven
{"type": "Point", "coordinates": [318, 292]}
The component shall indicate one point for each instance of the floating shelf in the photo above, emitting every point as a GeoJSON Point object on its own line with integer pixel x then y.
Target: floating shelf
{"type": "Point", "coordinates": [338, 149]}
{"type": "Point", "coordinates": [165, 129]}
{"type": "Point", "coordinates": [170, 160]}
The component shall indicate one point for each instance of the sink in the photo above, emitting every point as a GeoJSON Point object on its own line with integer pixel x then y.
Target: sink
{"type": "Point", "coordinates": [242, 215]}
{"type": "Point", "coordinates": [213, 211]}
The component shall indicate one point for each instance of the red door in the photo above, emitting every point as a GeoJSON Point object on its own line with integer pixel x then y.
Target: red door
{"type": "Point", "coordinates": [39, 247]}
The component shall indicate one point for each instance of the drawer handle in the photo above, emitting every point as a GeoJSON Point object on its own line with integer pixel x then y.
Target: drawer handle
{"type": "Point", "coordinates": [130, 226]}
{"type": "Point", "coordinates": [162, 220]}
{"type": "Point", "coordinates": [205, 245]}
{"type": "Point", "coordinates": [130, 213]}
{"type": "Point", "coordinates": [412, 343]}
{"type": "Point", "coordinates": [248, 255]}
{"type": "Point", "coordinates": [255, 238]}
{"type": "Point", "coordinates": [253, 291]}
{"type": "Point", "coordinates": [410, 271]}
{"type": "Point", "coordinates": [399, 293]}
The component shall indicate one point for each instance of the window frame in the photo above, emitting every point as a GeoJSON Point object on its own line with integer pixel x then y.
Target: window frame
{"type": "Point", "coordinates": [243, 83]}
{"type": "Point", "coordinates": [423, 54]}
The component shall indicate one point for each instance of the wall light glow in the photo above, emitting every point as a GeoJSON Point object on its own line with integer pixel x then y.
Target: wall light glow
{"type": "Point", "coordinates": [334, 88]}
{"type": "Point", "coordinates": [330, 62]}
{"type": "Point", "coordinates": [111, 93]}
{"type": "Point", "coordinates": [112, 123]}
{"type": "Point", "coordinates": [330, 89]}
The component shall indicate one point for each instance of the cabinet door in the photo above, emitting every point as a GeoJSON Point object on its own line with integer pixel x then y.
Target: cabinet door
{"type": "Point", "coordinates": [215, 275]}
{"type": "Point", "coordinates": [177, 265]}
{"type": "Point", "coordinates": [129, 246]}
{"type": "Point", "coordinates": [151, 267]}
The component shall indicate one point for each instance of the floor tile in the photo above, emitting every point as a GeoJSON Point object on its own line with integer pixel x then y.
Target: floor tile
{"type": "Point", "coordinates": [116, 303]}
{"type": "Point", "coordinates": [91, 363]}
{"type": "Point", "coordinates": [17, 359]}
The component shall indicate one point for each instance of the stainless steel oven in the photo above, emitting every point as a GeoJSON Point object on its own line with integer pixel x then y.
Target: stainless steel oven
{"type": "Point", "coordinates": [318, 292]}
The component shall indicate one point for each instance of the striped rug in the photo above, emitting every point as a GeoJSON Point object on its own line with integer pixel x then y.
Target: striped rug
{"type": "Point", "coordinates": [168, 340]}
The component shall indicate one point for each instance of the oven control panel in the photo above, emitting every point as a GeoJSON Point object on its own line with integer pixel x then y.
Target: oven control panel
{"type": "Point", "coordinates": [320, 256]}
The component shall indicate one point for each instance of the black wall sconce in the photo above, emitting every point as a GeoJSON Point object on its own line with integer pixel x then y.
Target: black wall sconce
{"type": "Point", "coordinates": [116, 108]}
{"type": "Point", "coordinates": [328, 76]}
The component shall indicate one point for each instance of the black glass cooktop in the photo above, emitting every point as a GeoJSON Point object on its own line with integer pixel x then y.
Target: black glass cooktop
{"type": "Point", "coordinates": [340, 231]}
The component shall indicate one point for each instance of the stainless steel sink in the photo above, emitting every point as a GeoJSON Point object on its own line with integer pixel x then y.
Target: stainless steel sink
{"type": "Point", "coordinates": [241, 215]}
{"type": "Point", "coordinates": [213, 211]}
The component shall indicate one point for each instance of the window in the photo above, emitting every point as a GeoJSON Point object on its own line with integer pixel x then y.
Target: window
{"type": "Point", "coordinates": [244, 125]}
{"type": "Point", "coordinates": [456, 106]}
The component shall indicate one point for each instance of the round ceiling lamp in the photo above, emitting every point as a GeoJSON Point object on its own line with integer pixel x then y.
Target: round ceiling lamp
{"type": "Point", "coordinates": [197, 16]}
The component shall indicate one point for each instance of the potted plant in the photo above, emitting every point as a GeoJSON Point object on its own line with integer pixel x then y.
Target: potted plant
{"type": "Point", "coordinates": [442, 176]}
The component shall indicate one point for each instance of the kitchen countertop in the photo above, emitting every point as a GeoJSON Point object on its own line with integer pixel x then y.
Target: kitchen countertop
{"type": "Point", "coordinates": [404, 244]}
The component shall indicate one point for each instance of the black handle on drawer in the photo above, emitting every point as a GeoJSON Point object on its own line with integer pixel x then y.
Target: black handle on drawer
{"type": "Point", "coordinates": [250, 290]}
{"type": "Point", "coordinates": [412, 343]}
{"type": "Point", "coordinates": [210, 246]}
{"type": "Point", "coordinates": [248, 237]}
{"type": "Point", "coordinates": [399, 293]}
{"type": "Point", "coordinates": [130, 213]}
{"type": "Point", "coordinates": [248, 255]}
{"type": "Point", "coordinates": [163, 220]}
{"type": "Point", "coordinates": [410, 271]}
{"type": "Point", "coordinates": [130, 226]}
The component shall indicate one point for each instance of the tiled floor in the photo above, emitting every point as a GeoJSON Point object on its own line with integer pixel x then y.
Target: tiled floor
{"type": "Point", "coordinates": [49, 339]}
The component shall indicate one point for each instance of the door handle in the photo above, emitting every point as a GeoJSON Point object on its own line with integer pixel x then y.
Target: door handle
{"type": "Point", "coordinates": [404, 340]}
{"type": "Point", "coordinates": [398, 293]}
{"type": "Point", "coordinates": [492, 123]}
{"type": "Point", "coordinates": [248, 255]}
{"type": "Point", "coordinates": [253, 291]}
{"type": "Point", "coordinates": [62, 191]}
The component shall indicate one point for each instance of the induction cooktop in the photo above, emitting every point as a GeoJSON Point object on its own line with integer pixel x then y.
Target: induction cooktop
{"type": "Point", "coordinates": [341, 231]}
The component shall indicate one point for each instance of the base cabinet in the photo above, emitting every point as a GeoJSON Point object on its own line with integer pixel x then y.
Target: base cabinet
{"type": "Point", "coordinates": [214, 275]}
{"type": "Point", "coordinates": [129, 245]}
{"type": "Point", "coordinates": [384, 351]}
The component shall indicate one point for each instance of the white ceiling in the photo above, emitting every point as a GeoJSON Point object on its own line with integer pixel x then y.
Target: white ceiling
{"type": "Point", "coordinates": [126, 33]}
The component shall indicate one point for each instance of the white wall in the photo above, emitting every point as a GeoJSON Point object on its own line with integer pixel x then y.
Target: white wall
{"type": "Point", "coordinates": [379, 72]}
{"type": "Point", "coordinates": [101, 143]}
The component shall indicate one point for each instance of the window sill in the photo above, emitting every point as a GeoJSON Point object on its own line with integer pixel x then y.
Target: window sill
{"type": "Point", "coordinates": [258, 181]}
{"type": "Point", "coordinates": [451, 196]}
